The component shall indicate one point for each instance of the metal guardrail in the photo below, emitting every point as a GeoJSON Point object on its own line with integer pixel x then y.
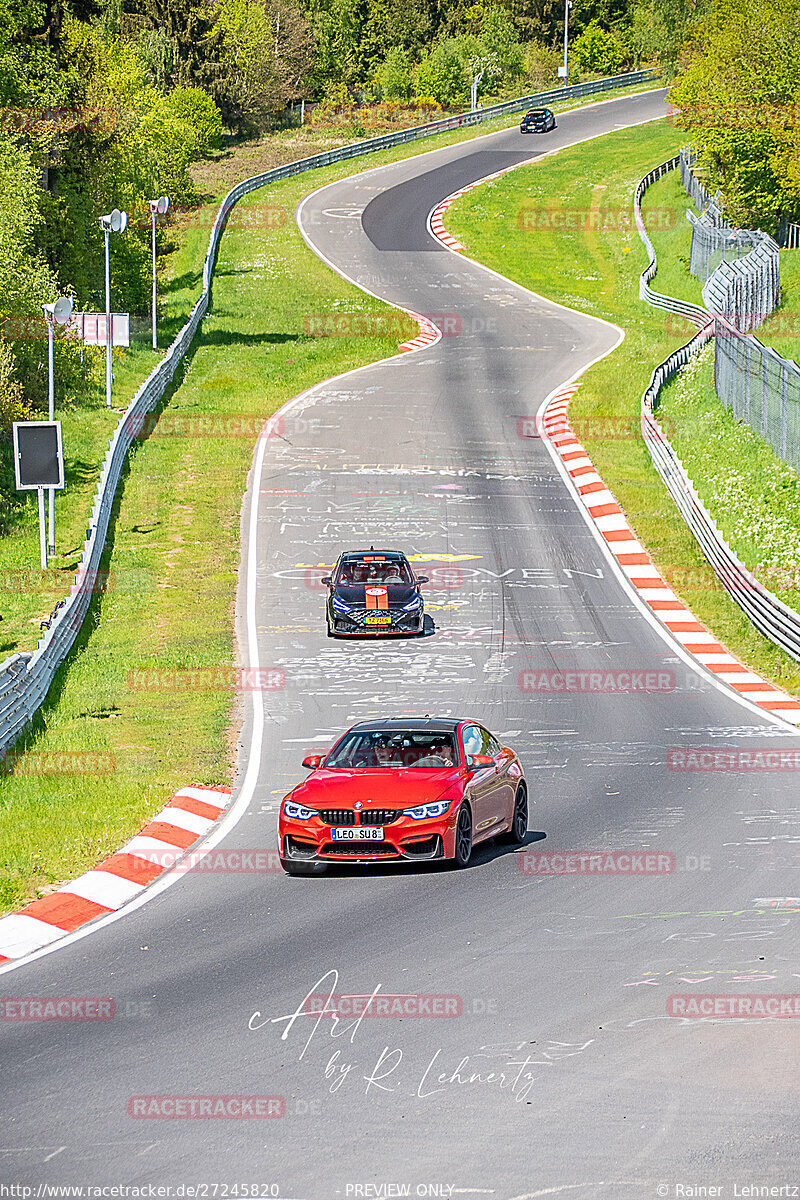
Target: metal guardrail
{"type": "Point", "coordinates": [26, 678]}
{"type": "Point", "coordinates": [769, 614]}
{"type": "Point", "coordinates": [692, 312]}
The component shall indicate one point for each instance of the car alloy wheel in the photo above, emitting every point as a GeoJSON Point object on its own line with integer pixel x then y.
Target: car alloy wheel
{"type": "Point", "coordinates": [463, 851]}
{"type": "Point", "coordinates": [519, 821]}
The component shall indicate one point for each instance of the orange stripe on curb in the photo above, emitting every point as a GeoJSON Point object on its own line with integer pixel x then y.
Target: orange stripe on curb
{"type": "Point", "coordinates": [65, 911]}
{"type": "Point", "coordinates": [199, 807]}
{"type": "Point", "coordinates": [606, 510]}
{"type": "Point", "coordinates": [634, 560]}
{"type": "Point", "coordinates": [131, 867]}
{"type": "Point", "coordinates": [169, 833]}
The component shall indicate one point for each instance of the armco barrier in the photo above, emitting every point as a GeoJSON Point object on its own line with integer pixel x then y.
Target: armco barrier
{"type": "Point", "coordinates": [773, 618]}
{"type": "Point", "coordinates": [25, 679]}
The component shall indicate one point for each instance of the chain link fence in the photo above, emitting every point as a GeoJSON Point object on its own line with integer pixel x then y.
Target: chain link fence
{"type": "Point", "coordinates": [740, 268]}
{"type": "Point", "coordinates": [762, 389]}
{"type": "Point", "coordinates": [753, 380]}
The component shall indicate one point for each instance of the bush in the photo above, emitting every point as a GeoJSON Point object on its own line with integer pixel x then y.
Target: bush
{"type": "Point", "coordinates": [393, 76]}
{"type": "Point", "coordinates": [195, 108]}
{"type": "Point", "coordinates": [599, 50]}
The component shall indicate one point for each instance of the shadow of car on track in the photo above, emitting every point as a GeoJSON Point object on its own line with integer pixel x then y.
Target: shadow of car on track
{"type": "Point", "coordinates": [482, 855]}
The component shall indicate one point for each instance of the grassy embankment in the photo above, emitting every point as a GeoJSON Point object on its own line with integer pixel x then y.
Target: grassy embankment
{"type": "Point", "coordinates": [593, 265]}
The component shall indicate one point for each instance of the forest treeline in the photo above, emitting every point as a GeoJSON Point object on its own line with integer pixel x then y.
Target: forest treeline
{"type": "Point", "coordinates": [107, 103]}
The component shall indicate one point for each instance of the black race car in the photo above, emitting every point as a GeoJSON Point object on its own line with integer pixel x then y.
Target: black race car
{"type": "Point", "coordinates": [538, 120]}
{"type": "Point", "coordinates": [373, 592]}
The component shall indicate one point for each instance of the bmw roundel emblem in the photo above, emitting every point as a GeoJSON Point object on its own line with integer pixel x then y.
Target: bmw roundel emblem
{"type": "Point", "coordinates": [358, 804]}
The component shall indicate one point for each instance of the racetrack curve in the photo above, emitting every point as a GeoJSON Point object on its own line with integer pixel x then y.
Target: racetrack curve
{"type": "Point", "coordinates": [562, 982]}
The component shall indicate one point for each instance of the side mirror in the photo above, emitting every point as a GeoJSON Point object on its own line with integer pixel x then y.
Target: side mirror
{"type": "Point", "coordinates": [422, 579]}
{"type": "Point", "coordinates": [326, 579]}
{"type": "Point", "coordinates": [313, 761]}
{"type": "Point", "coordinates": [477, 762]}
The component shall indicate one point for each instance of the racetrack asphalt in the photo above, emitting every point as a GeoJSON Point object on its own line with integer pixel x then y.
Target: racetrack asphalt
{"type": "Point", "coordinates": [562, 1072]}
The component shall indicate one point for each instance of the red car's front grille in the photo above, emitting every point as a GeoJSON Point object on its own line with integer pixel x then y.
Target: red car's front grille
{"type": "Point", "coordinates": [379, 816]}
{"type": "Point", "coordinates": [337, 816]}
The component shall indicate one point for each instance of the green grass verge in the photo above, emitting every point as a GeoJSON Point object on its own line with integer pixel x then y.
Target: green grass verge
{"type": "Point", "coordinates": [594, 266]}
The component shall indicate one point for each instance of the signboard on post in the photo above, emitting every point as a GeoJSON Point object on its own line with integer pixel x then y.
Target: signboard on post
{"type": "Point", "coordinates": [38, 464]}
{"type": "Point", "coordinates": [91, 328]}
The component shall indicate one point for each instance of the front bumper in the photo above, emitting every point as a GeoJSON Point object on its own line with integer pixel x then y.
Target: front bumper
{"type": "Point", "coordinates": [404, 840]}
{"type": "Point", "coordinates": [354, 623]}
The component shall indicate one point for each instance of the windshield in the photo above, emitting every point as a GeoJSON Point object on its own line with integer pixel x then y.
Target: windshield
{"type": "Point", "coordinates": [385, 572]}
{"type": "Point", "coordinates": [371, 748]}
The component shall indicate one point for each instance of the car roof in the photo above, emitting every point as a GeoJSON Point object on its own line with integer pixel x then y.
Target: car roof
{"type": "Point", "coordinates": [538, 112]}
{"type": "Point", "coordinates": [411, 724]}
{"type": "Point", "coordinates": [351, 555]}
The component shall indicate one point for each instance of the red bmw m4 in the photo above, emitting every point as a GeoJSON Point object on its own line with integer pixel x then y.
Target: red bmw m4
{"type": "Point", "coordinates": [409, 790]}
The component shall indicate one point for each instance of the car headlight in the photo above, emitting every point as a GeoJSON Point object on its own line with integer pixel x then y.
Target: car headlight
{"type": "Point", "coordinates": [340, 605]}
{"type": "Point", "coordinates": [437, 809]}
{"type": "Point", "coordinates": [413, 605]}
{"type": "Point", "coordinates": [298, 812]}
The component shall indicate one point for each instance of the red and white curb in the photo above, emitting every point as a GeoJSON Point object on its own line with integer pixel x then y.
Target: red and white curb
{"type": "Point", "coordinates": [637, 565]}
{"type": "Point", "coordinates": [428, 334]}
{"type": "Point", "coordinates": [115, 881]}
{"type": "Point", "coordinates": [436, 216]}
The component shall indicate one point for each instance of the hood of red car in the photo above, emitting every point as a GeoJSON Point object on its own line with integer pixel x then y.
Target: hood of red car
{"type": "Point", "coordinates": [383, 788]}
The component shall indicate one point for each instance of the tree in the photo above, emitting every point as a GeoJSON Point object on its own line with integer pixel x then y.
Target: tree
{"type": "Point", "coordinates": [661, 30]}
{"type": "Point", "coordinates": [393, 76]}
{"type": "Point", "coordinates": [266, 49]}
{"type": "Point", "coordinates": [738, 92]}
{"type": "Point", "coordinates": [598, 50]}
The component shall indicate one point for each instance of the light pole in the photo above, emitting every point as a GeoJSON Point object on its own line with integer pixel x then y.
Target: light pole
{"type": "Point", "coordinates": [113, 222]}
{"type": "Point", "coordinates": [57, 313]}
{"type": "Point", "coordinates": [157, 208]}
{"type": "Point", "coordinates": [565, 69]}
{"type": "Point", "coordinates": [473, 92]}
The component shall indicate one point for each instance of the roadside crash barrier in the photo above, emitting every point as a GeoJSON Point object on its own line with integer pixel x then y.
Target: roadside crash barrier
{"type": "Point", "coordinates": [774, 619]}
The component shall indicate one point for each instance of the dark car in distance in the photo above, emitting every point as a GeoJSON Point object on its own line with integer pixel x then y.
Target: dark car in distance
{"type": "Point", "coordinates": [538, 120]}
{"type": "Point", "coordinates": [373, 592]}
